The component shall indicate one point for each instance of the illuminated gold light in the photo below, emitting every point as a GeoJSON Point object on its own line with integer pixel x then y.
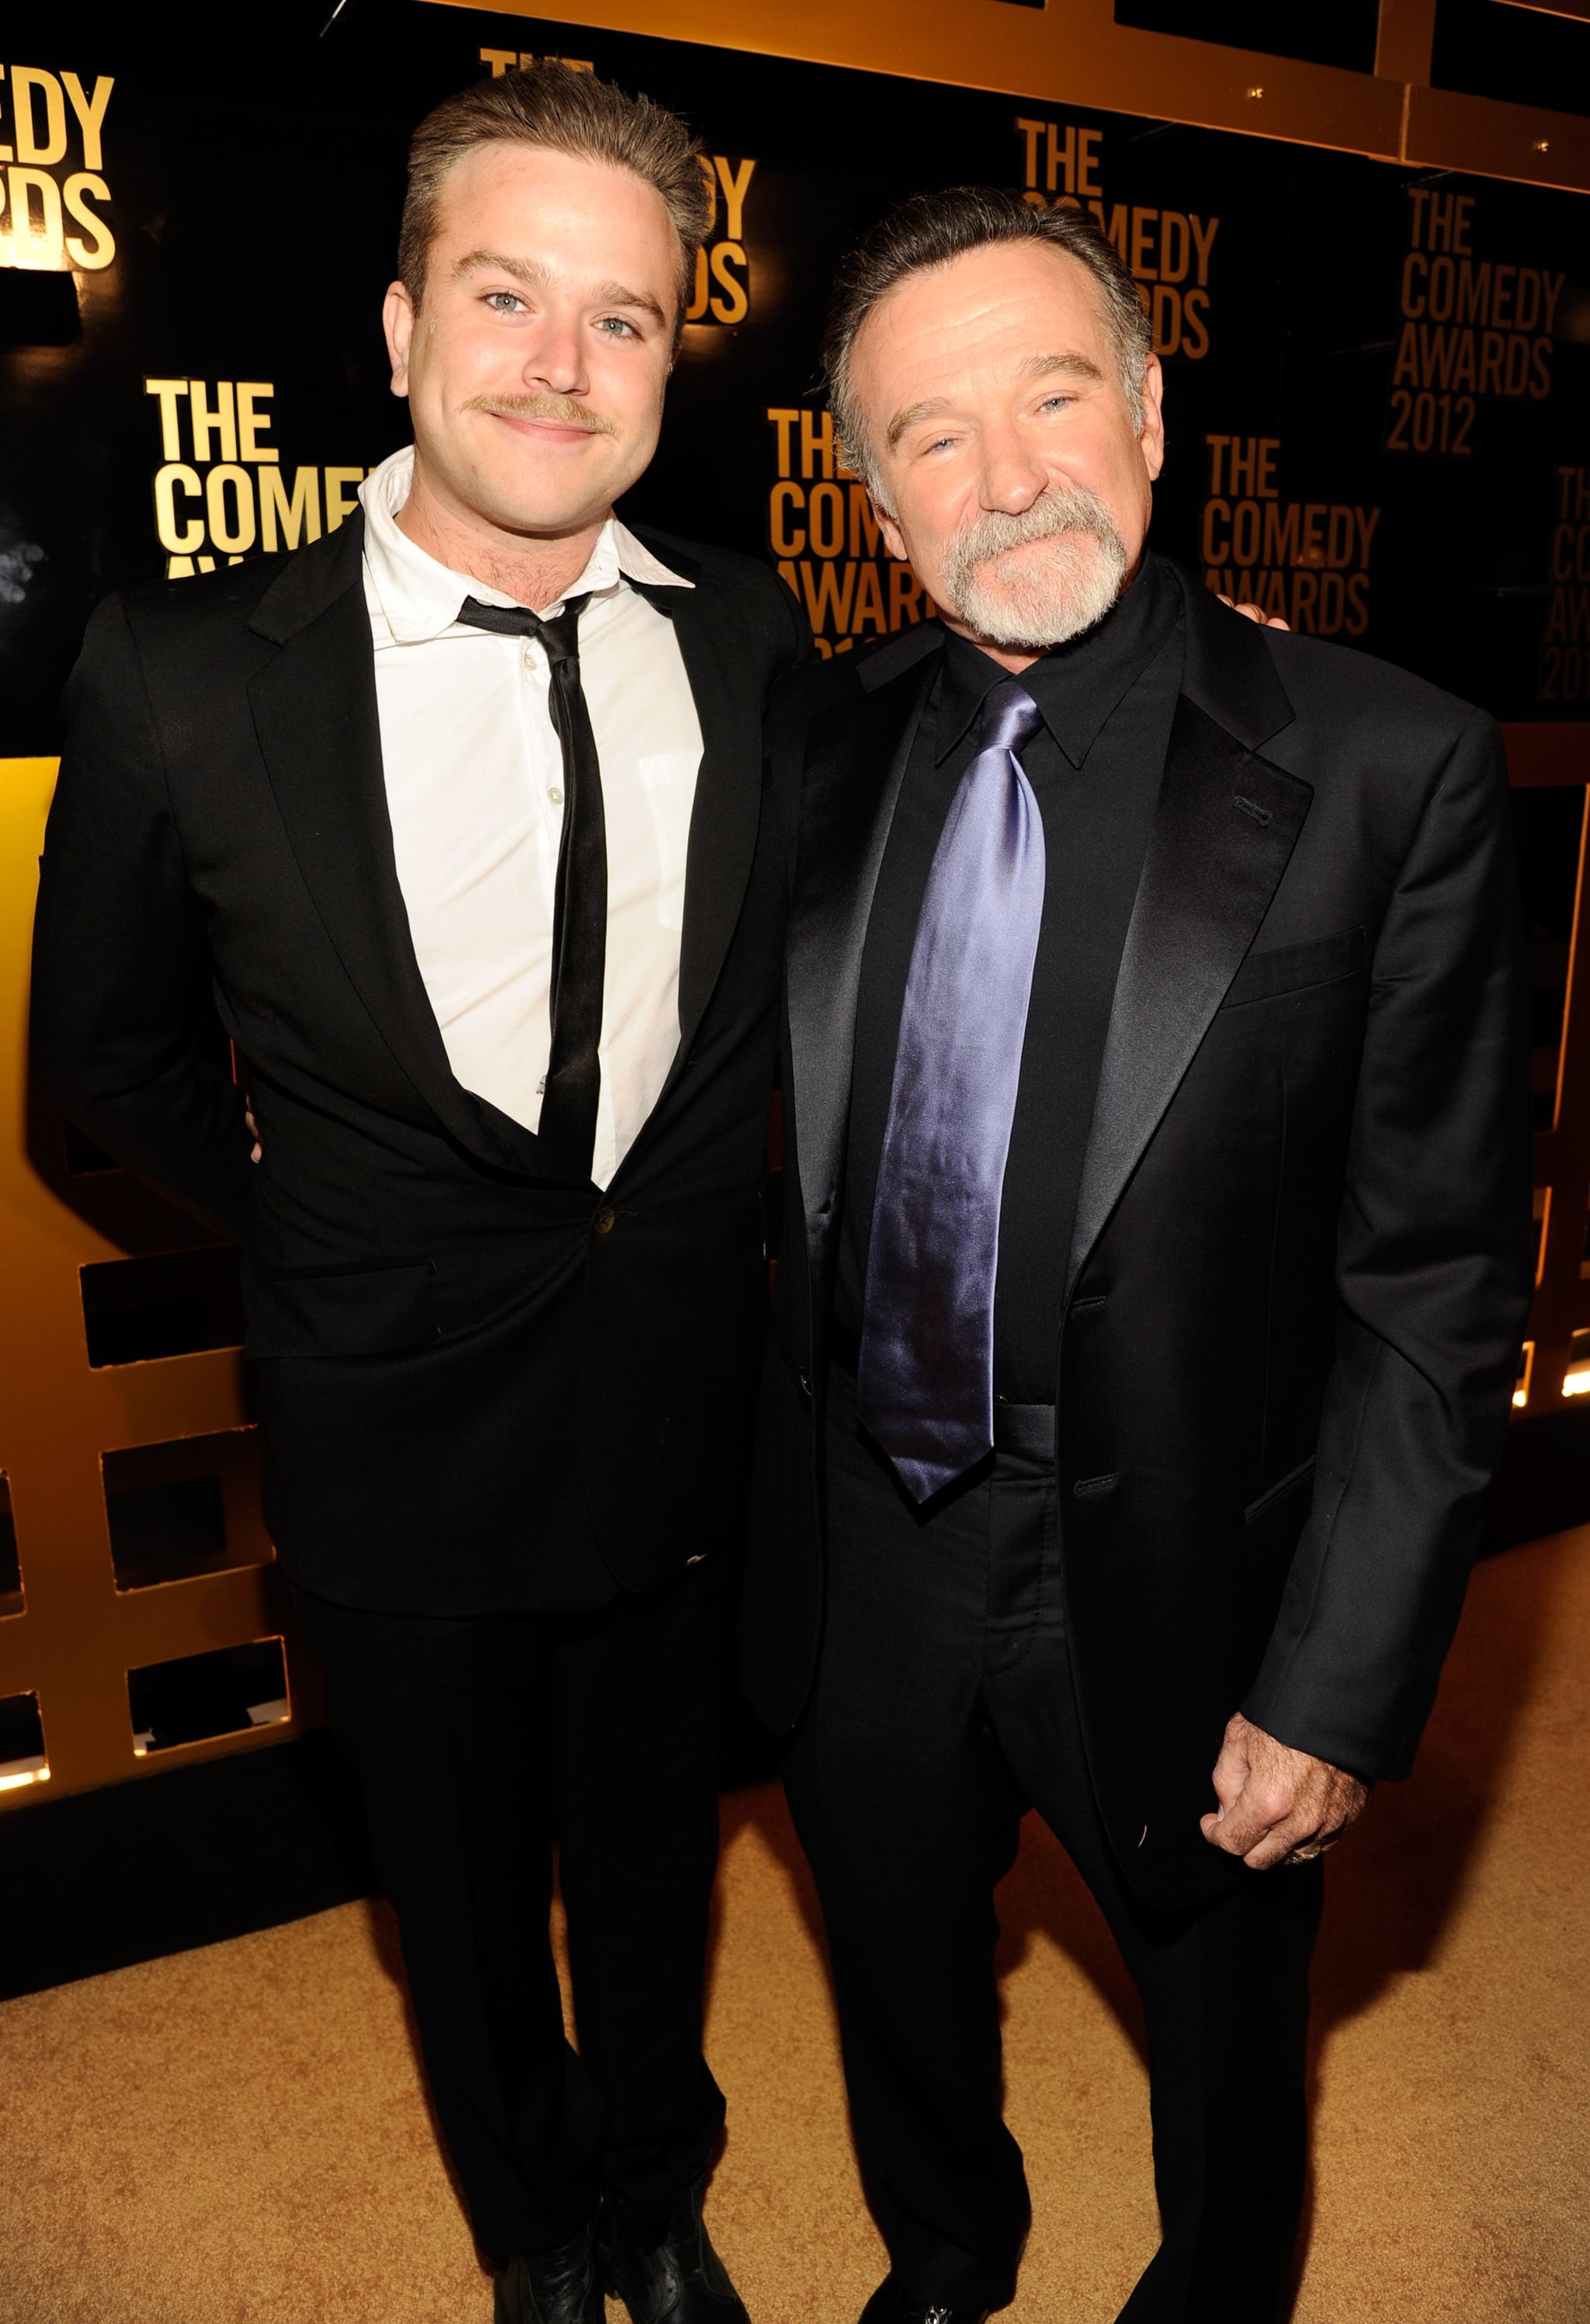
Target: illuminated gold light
{"type": "Point", "coordinates": [36, 1772]}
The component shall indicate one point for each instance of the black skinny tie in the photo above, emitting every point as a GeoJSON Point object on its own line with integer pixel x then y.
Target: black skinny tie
{"type": "Point", "coordinates": [579, 920]}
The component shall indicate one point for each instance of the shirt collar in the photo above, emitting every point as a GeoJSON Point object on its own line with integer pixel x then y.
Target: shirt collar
{"type": "Point", "coordinates": [1077, 685]}
{"type": "Point", "coordinates": [420, 597]}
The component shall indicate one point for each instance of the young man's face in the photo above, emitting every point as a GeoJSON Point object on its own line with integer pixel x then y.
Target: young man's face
{"type": "Point", "coordinates": [536, 365]}
{"type": "Point", "coordinates": [1015, 474]}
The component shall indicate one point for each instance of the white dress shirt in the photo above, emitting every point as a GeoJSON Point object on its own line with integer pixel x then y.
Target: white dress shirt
{"type": "Point", "coordinates": [474, 790]}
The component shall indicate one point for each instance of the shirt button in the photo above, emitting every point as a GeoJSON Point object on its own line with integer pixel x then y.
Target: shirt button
{"type": "Point", "coordinates": [555, 795]}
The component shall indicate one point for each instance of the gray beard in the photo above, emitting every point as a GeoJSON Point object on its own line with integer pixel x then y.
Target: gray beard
{"type": "Point", "coordinates": [1055, 597]}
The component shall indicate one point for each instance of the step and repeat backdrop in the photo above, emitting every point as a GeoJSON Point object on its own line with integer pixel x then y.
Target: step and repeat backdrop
{"type": "Point", "coordinates": [1379, 430]}
{"type": "Point", "coordinates": [1378, 379]}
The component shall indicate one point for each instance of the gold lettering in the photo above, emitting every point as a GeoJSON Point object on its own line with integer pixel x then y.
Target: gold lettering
{"type": "Point", "coordinates": [1031, 130]}
{"type": "Point", "coordinates": [826, 513]}
{"type": "Point", "coordinates": [1204, 231]}
{"type": "Point", "coordinates": [734, 193]}
{"type": "Point", "coordinates": [785, 422]}
{"type": "Point", "coordinates": [90, 113]}
{"type": "Point", "coordinates": [816, 442]}
{"type": "Point", "coordinates": [168, 390]}
{"type": "Point", "coordinates": [41, 246]}
{"type": "Point", "coordinates": [252, 424]}
{"type": "Point", "coordinates": [337, 507]}
{"type": "Point", "coordinates": [222, 420]}
{"type": "Point", "coordinates": [735, 303]}
{"type": "Point", "coordinates": [783, 500]}
{"type": "Point", "coordinates": [237, 538]}
{"type": "Point", "coordinates": [300, 515]}
{"type": "Point", "coordinates": [25, 81]}
{"type": "Point", "coordinates": [181, 538]}
{"type": "Point", "coordinates": [868, 609]}
{"type": "Point", "coordinates": [91, 257]}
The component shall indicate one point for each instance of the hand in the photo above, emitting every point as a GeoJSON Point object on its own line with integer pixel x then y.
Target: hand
{"type": "Point", "coordinates": [1278, 1805]}
{"type": "Point", "coordinates": [1253, 613]}
{"type": "Point", "coordinates": [248, 1115]}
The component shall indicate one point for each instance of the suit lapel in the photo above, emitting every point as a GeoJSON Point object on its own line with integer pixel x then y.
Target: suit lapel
{"type": "Point", "coordinates": [855, 761]}
{"type": "Point", "coordinates": [726, 812]}
{"type": "Point", "coordinates": [1224, 829]}
{"type": "Point", "coordinates": [316, 716]}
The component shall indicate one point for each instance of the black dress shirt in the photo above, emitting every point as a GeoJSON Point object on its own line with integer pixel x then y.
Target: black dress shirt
{"type": "Point", "coordinates": [1108, 699]}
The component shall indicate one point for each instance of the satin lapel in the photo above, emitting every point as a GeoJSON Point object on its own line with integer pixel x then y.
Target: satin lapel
{"type": "Point", "coordinates": [1224, 828]}
{"type": "Point", "coordinates": [314, 714]}
{"type": "Point", "coordinates": [726, 809]}
{"type": "Point", "coordinates": [855, 761]}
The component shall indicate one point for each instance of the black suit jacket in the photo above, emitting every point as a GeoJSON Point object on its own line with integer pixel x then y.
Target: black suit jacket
{"type": "Point", "coordinates": [477, 1389]}
{"type": "Point", "coordinates": [1301, 1264]}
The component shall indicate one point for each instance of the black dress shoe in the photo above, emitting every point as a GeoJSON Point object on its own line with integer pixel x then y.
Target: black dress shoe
{"type": "Point", "coordinates": [891, 2303]}
{"type": "Point", "coordinates": [553, 2287]}
{"type": "Point", "coordinates": [681, 2281]}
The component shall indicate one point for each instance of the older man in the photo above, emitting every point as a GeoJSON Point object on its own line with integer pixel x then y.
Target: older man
{"type": "Point", "coordinates": [1156, 1258]}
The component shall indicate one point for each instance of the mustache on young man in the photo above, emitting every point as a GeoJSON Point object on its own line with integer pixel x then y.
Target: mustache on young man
{"type": "Point", "coordinates": [567, 410]}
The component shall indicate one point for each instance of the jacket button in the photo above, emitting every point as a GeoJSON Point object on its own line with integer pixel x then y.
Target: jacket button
{"type": "Point", "coordinates": [604, 1222]}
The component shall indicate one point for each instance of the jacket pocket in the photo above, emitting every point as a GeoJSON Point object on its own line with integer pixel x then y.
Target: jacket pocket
{"type": "Point", "coordinates": [1278, 1491]}
{"type": "Point", "coordinates": [1293, 968]}
{"type": "Point", "coordinates": [372, 1311]}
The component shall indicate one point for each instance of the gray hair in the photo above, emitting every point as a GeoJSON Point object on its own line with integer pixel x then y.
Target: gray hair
{"type": "Point", "coordinates": [931, 230]}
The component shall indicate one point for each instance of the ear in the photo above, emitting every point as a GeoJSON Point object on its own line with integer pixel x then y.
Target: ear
{"type": "Point", "coordinates": [894, 538]}
{"type": "Point", "coordinates": [397, 315]}
{"type": "Point", "coordinates": [1151, 437]}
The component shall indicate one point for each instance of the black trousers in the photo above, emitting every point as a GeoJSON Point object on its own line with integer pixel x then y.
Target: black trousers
{"type": "Point", "coordinates": [479, 1743]}
{"type": "Point", "coordinates": [943, 1707]}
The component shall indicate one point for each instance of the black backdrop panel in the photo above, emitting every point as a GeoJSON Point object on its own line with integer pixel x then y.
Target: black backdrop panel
{"type": "Point", "coordinates": [1377, 378]}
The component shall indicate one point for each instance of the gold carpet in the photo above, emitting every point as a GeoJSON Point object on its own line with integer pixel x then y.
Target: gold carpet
{"type": "Point", "coordinates": [239, 2135]}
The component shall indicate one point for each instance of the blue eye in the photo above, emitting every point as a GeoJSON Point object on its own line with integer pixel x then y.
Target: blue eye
{"type": "Point", "coordinates": [617, 326]}
{"type": "Point", "coordinates": [504, 302]}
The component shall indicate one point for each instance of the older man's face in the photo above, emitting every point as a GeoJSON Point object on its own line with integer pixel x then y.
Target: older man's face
{"type": "Point", "coordinates": [1010, 469]}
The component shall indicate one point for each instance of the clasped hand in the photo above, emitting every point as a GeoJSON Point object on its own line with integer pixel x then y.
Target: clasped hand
{"type": "Point", "coordinates": [1278, 1805]}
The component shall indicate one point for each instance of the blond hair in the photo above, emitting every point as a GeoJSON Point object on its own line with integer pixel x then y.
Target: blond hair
{"type": "Point", "coordinates": [567, 112]}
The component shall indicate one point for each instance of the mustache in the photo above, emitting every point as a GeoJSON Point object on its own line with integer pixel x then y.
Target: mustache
{"type": "Point", "coordinates": [567, 410]}
{"type": "Point", "coordinates": [1057, 509]}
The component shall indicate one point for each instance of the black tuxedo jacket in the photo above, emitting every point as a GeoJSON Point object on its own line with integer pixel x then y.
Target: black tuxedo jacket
{"type": "Point", "coordinates": [1300, 1263]}
{"type": "Point", "coordinates": [480, 1385]}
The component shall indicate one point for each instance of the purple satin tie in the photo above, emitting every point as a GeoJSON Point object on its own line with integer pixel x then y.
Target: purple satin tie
{"type": "Point", "coordinates": [926, 1379]}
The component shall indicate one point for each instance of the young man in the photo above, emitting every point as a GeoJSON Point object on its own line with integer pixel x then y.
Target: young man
{"type": "Point", "coordinates": [1157, 1122]}
{"type": "Point", "coordinates": [457, 819]}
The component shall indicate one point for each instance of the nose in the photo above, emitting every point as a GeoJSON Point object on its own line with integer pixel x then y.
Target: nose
{"type": "Point", "coordinates": [1012, 475]}
{"type": "Point", "coordinates": [556, 358]}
